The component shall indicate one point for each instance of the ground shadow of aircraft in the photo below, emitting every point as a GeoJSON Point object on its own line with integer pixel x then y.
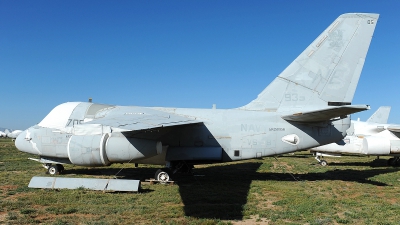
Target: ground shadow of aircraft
{"type": "Point", "coordinates": [374, 163]}
{"type": "Point", "coordinates": [359, 176]}
{"type": "Point", "coordinates": [301, 156]}
{"type": "Point", "coordinates": [223, 195]}
{"type": "Point", "coordinates": [221, 191]}
{"type": "Point", "coordinates": [120, 173]}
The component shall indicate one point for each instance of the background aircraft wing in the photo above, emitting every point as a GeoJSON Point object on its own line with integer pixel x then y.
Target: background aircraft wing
{"type": "Point", "coordinates": [139, 118]}
{"type": "Point", "coordinates": [394, 129]}
{"type": "Point", "coordinates": [325, 114]}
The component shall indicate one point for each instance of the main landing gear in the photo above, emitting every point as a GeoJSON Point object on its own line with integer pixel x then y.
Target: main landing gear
{"type": "Point", "coordinates": [321, 161]}
{"type": "Point", "coordinates": [165, 175]}
{"type": "Point", "coordinates": [54, 169]}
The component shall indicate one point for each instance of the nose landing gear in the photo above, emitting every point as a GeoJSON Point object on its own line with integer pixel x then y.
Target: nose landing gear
{"type": "Point", "coordinates": [54, 169]}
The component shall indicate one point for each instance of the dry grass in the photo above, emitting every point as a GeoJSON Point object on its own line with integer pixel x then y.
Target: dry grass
{"type": "Point", "coordinates": [290, 190]}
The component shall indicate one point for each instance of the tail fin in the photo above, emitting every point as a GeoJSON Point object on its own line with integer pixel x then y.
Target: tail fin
{"type": "Point", "coordinates": [326, 72]}
{"type": "Point", "coordinates": [381, 115]}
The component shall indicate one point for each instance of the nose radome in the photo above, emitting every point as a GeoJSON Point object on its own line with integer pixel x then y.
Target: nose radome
{"type": "Point", "coordinates": [22, 143]}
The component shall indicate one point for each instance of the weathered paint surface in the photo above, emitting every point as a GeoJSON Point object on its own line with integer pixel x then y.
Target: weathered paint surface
{"type": "Point", "coordinates": [87, 183]}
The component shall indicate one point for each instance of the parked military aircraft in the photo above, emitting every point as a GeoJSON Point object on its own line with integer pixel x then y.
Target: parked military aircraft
{"type": "Point", "coordinates": [306, 106]}
{"type": "Point", "coordinates": [5, 133]}
{"type": "Point", "coordinates": [373, 137]}
{"type": "Point", "coordinates": [14, 134]}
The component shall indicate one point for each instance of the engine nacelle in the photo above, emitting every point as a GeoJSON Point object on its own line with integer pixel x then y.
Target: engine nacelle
{"type": "Point", "coordinates": [102, 150]}
{"type": "Point", "coordinates": [373, 145]}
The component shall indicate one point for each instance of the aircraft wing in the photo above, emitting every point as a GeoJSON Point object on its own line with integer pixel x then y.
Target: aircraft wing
{"type": "Point", "coordinates": [325, 114]}
{"type": "Point", "coordinates": [139, 118]}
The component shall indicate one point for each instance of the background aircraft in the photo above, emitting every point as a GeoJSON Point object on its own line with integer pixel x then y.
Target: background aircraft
{"type": "Point", "coordinates": [9, 133]}
{"type": "Point", "coordinates": [4, 132]}
{"type": "Point", "coordinates": [373, 137]}
{"type": "Point", "coordinates": [14, 134]}
{"type": "Point", "coordinates": [307, 105]}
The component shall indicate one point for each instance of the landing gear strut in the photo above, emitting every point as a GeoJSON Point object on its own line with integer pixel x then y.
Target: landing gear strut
{"type": "Point", "coordinates": [321, 162]}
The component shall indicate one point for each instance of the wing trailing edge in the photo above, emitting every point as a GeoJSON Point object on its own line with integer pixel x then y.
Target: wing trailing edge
{"type": "Point", "coordinates": [325, 114]}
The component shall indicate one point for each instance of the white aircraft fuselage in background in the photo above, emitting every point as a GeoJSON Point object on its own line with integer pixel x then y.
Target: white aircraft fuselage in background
{"type": "Point", "coordinates": [372, 137]}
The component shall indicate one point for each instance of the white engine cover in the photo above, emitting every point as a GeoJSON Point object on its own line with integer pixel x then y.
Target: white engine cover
{"type": "Point", "coordinates": [373, 145]}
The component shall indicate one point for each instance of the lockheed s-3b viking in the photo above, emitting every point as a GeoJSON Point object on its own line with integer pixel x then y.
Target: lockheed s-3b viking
{"type": "Point", "coordinates": [307, 105]}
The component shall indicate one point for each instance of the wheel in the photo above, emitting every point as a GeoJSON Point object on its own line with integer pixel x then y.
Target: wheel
{"type": "Point", "coordinates": [323, 163]}
{"type": "Point", "coordinates": [53, 170]}
{"type": "Point", "coordinates": [163, 175]}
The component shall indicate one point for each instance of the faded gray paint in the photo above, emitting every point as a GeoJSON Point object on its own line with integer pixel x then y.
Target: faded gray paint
{"type": "Point", "coordinates": [87, 183]}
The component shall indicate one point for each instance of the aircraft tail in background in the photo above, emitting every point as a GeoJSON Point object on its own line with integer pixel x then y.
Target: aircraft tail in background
{"type": "Point", "coordinates": [381, 115]}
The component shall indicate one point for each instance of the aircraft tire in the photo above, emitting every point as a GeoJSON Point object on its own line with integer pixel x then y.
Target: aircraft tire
{"type": "Point", "coordinates": [163, 175]}
{"type": "Point", "coordinates": [323, 163]}
{"type": "Point", "coordinates": [53, 170]}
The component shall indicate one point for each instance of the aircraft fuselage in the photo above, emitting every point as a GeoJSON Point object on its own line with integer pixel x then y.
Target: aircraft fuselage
{"type": "Point", "coordinates": [220, 136]}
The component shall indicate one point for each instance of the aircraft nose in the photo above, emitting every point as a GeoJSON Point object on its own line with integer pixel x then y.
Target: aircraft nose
{"type": "Point", "coordinates": [23, 143]}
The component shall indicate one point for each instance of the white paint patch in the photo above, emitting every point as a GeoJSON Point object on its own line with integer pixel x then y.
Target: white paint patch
{"type": "Point", "coordinates": [34, 145]}
{"type": "Point", "coordinates": [58, 117]}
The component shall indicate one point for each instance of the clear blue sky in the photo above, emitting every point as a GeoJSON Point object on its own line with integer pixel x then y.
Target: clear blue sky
{"type": "Point", "coordinates": [174, 53]}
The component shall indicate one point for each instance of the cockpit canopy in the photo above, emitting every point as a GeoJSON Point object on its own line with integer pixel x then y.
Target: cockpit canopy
{"type": "Point", "coordinates": [73, 113]}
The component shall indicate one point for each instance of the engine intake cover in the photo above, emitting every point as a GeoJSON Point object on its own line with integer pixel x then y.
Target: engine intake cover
{"type": "Point", "coordinates": [376, 145]}
{"type": "Point", "coordinates": [102, 150]}
{"type": "Point", "coordinates": [88, 150]}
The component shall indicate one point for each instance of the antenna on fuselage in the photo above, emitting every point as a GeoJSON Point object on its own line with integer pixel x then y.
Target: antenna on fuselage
{"type": "Point", "coordinates": [90, 99]}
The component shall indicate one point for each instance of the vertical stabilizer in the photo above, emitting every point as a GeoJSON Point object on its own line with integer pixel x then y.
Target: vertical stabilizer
{"type": "Point", "coordinates": [381, 115]}
{"type": "Point", "coordinates": [326, 72]}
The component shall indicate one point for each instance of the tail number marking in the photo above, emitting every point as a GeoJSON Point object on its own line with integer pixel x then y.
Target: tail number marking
{"type": "Point", "coordinates": [294, 98]}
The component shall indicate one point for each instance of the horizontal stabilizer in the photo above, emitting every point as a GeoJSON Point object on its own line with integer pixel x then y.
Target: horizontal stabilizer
{"type": "Point", "coordinates": [325, 114]}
